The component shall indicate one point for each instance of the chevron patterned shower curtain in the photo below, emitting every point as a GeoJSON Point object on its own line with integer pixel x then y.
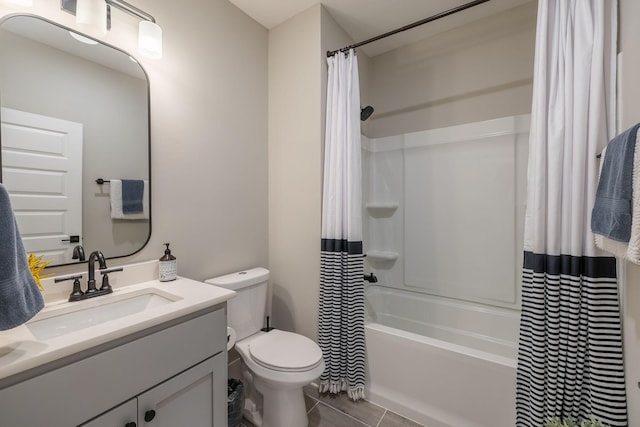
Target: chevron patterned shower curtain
{"type": "Point", "coordinates": [341, 311]}
{"type": "Point", "coordinates": [570, 354]}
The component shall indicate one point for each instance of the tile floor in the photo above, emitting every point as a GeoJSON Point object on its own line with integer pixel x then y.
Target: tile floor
{"type": "Point", "coordinates": [329, 411]}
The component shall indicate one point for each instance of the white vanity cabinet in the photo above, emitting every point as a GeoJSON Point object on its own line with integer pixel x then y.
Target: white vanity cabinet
{"type": "Point", "coordinates": [184, 400]}
{"type": "Point", "coordinates": [177, 369]}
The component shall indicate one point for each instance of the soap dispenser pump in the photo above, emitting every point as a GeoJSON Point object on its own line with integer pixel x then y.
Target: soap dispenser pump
{"type": "Point", "coordinates": [168, 266]}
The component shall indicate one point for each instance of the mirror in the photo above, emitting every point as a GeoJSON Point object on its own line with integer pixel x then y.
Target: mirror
{"type": "Point", "coordinates": [74, 111]}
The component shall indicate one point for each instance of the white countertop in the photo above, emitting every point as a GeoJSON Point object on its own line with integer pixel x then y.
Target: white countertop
{"type": "Point", "coordinates": [20, 350]}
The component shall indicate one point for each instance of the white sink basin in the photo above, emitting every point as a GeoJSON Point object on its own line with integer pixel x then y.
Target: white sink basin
{"type": "Point", "coordinates": [75, 316]}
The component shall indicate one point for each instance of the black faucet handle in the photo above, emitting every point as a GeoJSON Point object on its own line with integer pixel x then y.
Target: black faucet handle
{"type": "Point", "coordinates": [65, 278]}
{"type": "Point", "coordinates": [111, 270]}
{"type": "Point", "coordinates": [371, 278]}
{"type": "Point", "coordinates": [76, 293]}
{"type": "Point", "coordinates": [106, 286]}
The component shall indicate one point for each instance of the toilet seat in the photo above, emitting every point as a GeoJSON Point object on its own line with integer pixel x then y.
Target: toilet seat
{"type": "Point", "coordinates": [285, 351]}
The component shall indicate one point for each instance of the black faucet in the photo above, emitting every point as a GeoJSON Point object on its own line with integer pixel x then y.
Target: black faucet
{"type": "Point", "coordinates": [102, 264]}
{"type": "Point", "coordinates": [78, 253]}
{"type": "Point", "coordinates": [77, 294]}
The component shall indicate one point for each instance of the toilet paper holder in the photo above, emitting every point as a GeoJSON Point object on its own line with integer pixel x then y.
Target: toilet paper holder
{"type": "Point", "coordinates": [231, 338]}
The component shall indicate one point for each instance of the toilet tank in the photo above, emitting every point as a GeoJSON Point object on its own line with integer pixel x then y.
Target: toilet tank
{"type": "Point", "coordinates": [246, 311]}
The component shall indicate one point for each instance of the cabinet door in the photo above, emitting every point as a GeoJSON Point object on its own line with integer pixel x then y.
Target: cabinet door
{"type": "Point", "coordinates": [194, 398]}
{"type": "Point", "coordinates": [124, 415]}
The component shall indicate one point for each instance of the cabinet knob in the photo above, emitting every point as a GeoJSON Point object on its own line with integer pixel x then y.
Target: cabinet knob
{"type": "Point", "coordinates": [149, 415]}
{"type": "Point", "coordinates": [131, 424]}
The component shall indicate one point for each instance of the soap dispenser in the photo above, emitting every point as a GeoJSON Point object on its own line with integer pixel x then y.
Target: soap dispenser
{"type": "Point", "coordinates": [168, 266]}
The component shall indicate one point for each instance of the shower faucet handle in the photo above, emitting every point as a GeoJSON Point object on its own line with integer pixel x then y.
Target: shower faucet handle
{"type": "Point", "coordinates": [371, 278]}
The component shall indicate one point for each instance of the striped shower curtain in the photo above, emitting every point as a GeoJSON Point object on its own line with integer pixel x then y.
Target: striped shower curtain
{"type": "Point", "coordinates": [570, 360]}
{"type": "Point", "coordinates": [341, 308]}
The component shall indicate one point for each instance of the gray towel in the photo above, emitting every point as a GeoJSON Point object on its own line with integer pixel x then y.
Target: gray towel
{"type": "Point", "coordinates": [132, 194]}
{"type": "Point", "coordinates": [20, 298]}
{"type": "Point", "coordinates": [611, 215]}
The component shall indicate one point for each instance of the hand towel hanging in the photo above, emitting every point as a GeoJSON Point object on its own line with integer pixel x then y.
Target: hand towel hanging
{"type": "Point", "coordinates": [126, 206]}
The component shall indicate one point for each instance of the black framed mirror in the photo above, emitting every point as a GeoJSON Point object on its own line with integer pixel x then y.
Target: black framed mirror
{"type": "Point", "coordinates": [74, 111]}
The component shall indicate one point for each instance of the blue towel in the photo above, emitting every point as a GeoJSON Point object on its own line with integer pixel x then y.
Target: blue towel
{"type": "Point", "coordinates": [132, 196]}
{"type": "Point", "coordinates": [611, 215]}
{"type": "Point", "coordinates": [20, 298]}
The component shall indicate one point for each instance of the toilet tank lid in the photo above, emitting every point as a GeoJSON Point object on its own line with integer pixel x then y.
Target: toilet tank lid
{"type": "Point", "coordinates": [240, 279]}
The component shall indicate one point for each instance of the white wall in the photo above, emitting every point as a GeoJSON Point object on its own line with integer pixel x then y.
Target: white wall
{"type": "Point", "coordinates": [208, 132]}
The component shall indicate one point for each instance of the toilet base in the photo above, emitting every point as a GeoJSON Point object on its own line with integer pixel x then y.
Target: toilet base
{"type": "Point", "coordinates": [270, 404]}
{"type": "Point", "coordinates": [282, 407]}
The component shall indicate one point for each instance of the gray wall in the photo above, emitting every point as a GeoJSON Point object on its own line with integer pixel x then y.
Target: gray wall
{"type": "Point", "coordinates": [480, 71]}
{"type": "Point", "coordinates": [208, 131]}
{"type": "Point", "coordinates": [295, 99]}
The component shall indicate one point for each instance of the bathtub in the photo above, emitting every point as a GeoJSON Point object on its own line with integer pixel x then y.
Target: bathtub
{"type": "Point", "coordinates": [440, 362]}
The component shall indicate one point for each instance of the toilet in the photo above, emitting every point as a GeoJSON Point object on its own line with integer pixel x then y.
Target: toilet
{"type": "Point", "coordinates": [276, 364]}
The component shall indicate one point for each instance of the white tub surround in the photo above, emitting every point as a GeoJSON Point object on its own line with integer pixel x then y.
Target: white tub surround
{"type": "Point", "coordinates": [444, 210]}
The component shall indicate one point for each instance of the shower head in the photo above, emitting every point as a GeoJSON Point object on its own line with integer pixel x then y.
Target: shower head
{"type": "Point", "coordinates": [366, 112]}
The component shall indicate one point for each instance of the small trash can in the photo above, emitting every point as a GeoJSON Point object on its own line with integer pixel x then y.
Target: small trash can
{"type": "Point", "coordinates": [235, 400]}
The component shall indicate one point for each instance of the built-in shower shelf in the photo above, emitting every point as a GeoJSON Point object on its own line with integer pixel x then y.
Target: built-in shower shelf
{"type": "Point", "coordinates": [382, 256]}
{"type": "Point", "coordinates": [381, 209]}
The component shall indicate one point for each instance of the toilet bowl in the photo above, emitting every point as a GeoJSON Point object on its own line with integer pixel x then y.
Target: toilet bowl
{"type": "Point", "coordinates": [276, 364]}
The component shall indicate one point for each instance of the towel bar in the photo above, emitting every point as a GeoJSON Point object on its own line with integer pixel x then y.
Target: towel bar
{"type": "Point", "coordinates": [101, 181]}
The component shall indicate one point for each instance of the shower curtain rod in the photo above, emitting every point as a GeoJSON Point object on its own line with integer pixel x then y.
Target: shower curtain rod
{"type": "Point", "coordinates": [410, 26]}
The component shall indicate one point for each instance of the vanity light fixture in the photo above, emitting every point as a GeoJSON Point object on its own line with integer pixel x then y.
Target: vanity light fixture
{"type": "Point", "coordinates": [149, 33]}
{"type": "Point", "coordinates": [24, 3]}
{"type": "Point", "coordinates": [150, 39]}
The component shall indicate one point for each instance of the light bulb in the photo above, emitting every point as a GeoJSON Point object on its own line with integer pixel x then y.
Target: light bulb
{"type": "Point", "coordinates": [91, 16]}
{"type": "Point", "coordinates": [150, 39]}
